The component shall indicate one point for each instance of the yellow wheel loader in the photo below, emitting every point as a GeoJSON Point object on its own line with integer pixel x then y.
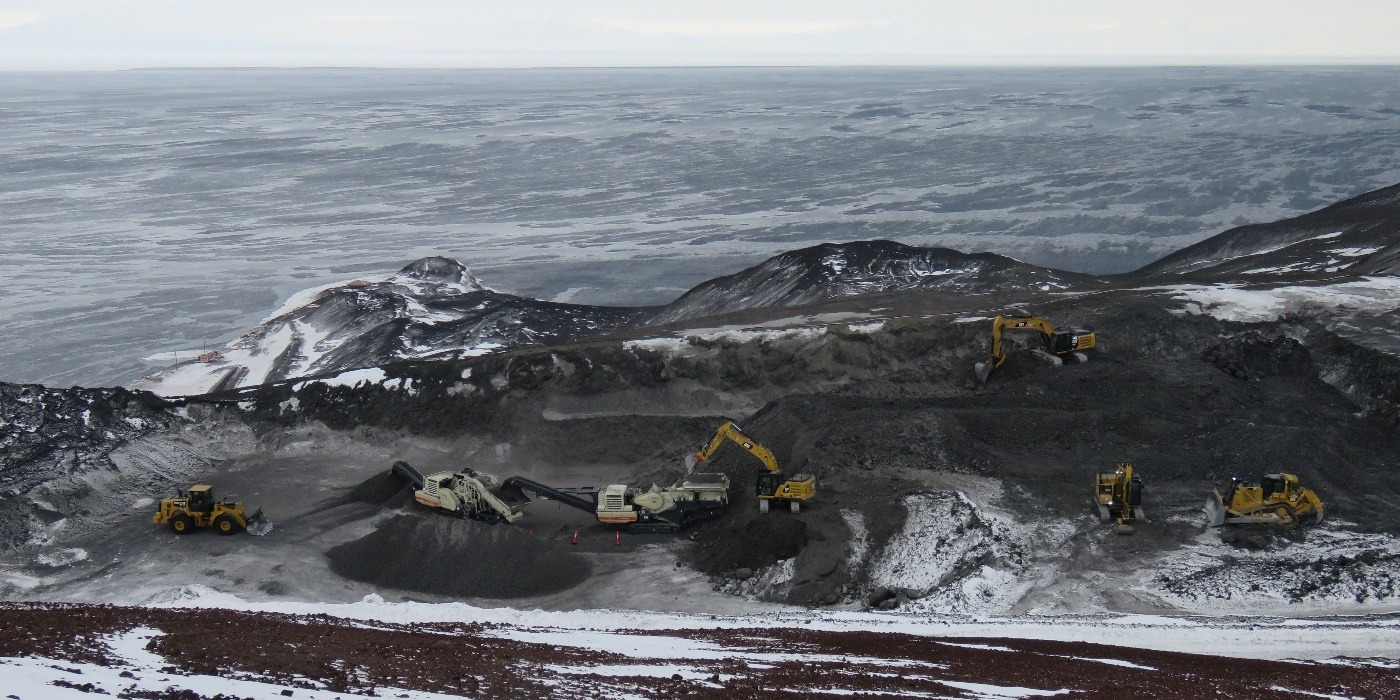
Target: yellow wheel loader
{"type": "Point", "coordinates": [1277, 499]}
{"type": "Point", "coordinates": [1054, 345]}
{"type": "Point", "coordinates": [1118, 496]}
{"type": "Point", "coordinates": [468, 493]}
{"type": "Point", "coordinates": [196, 508]}
{"type": "Point", "coordinates": [771, 486]}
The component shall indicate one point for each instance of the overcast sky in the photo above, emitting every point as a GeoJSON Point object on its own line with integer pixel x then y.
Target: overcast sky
{"type": "Point", "coordinates": [46, 34]}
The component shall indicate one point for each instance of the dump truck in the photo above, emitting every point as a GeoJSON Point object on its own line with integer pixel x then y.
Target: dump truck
{"type": "Point", "coordinates": [1278, 499]}
{"type": "Point", "coordinates": [467, 493]}
{"type": "Point", "coordinates": [661, 510]}
{"type": "Point", "coordinates": [771, 485]}
{"type": "Point", "coordinates": [1053, 345]}
{"type": "Point", "coordinates": [196, 508]}
{"type": "Point", "coordinates": [1118, 497]}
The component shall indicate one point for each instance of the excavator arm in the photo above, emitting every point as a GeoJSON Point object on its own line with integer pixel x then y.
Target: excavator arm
{"type": "Point", "coordinates": [730, 431]}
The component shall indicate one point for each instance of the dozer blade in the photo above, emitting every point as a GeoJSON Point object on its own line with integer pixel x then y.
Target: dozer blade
{"type": "Point", "coordinates": [259, 525]}
{"type": "Point", "coordinates": [982, 370]}
{"type": "Point", "coordinates": [1215, 512]}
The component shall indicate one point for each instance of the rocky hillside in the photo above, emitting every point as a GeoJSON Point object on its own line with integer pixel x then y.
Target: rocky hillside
{"type": "Point", "coordinates": [835, 270]}
{"type": "Point", "coordinates": [1360, 236]}
{"type": "Point", "coordinates": [434, 308]}
{"type": "Point", "coordinates": [431, 308]}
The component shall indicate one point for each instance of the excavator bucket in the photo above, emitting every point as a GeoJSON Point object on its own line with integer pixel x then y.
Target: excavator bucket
{"type": "Point", "coordinates": [1215, 511]}
{"type": "Point", "coordinates": [258, 524]}
{"type": "Point", "coordinates": [982, 370]}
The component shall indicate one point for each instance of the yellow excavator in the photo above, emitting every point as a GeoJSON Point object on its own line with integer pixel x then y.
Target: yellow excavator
{"type": "Point", "coordinates": [1056, 344]}
{"type": "Point", "coordinates": [772, 485]}
{"type": "Point", "coordinates": [1277, 499]}
{"type": "Point", "coordinates": [1118, 495]}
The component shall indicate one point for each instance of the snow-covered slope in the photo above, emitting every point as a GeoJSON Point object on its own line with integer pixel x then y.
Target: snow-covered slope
{"type": "Point", "coordinates": [1359, 236]}
{"type": "Point", "coordinates": [431, 308]}
{"type": "Point", "coordinates": [833, 270]}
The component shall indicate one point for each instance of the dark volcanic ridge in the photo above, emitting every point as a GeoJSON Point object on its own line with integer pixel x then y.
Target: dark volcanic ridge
{"type": "Point", "coordinates": [835, 270]}
{"type": "Point", "coordinates": [1360, 236]}
{"type": "Point", "coordinates": [435, 309]}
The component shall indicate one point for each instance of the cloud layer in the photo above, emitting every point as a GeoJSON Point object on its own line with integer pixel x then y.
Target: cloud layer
{"type": "Point", "coordinates": [439, 33]}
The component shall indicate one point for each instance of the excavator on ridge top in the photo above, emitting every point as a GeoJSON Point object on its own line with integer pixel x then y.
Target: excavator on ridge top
{"type": "Point", "coordinates": [1056, 344]}
{"type": "Point", "coordinates": [772, 485]}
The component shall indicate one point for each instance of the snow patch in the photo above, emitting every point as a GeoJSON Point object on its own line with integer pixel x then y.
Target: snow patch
{"type": "Point", "coordinates": [62, 557]}
{"type": "Point", "coordinates": [952, 556]}
{"type": "Point", "coordinates": [1231, 302]}
{"type": "Point", "coordinates": [1331, 567]}
{"type": "Point", "coordinates": [982, 691]}
{"type": "Point", "coordinates": [354, 378]}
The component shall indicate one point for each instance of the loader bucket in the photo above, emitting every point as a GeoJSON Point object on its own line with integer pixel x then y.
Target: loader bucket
{"type": "Point", "coordinates": [259, 525]}
{"type": "Point", "coordinates": [1215, 512]}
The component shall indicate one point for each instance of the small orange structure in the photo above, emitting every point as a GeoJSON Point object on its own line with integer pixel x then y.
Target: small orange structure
{"type": "Point", "coordinates": [211, 356]}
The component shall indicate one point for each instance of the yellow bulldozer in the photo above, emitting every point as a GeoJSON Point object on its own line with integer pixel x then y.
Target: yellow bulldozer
{"type": "Point", "coordinates": [1277, 499]}
{"type": "Point", "coordinates": [1118, 496]}
{"type": "Point", "coordinates": [772, 485]}
{"type": "Point", "coordinates": [1053, 345]}
{"type": "Point", "coordinates": [197, 508]}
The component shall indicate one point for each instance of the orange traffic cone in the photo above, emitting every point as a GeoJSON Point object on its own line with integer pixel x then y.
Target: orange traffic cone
{"type": "Point", "coordinates": [575, 537]}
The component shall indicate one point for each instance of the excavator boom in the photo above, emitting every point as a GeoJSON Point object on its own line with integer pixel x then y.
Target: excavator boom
{"type": "Point", "coordinates": [730, 431]}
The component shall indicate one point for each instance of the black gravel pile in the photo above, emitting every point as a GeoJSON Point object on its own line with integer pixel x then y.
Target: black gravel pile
{"type": "Point", "coordinates": [447, 556]}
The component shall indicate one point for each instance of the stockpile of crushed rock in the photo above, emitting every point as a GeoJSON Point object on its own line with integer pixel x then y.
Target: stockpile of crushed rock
{"type": "Point", "coordinates": [449, 556]}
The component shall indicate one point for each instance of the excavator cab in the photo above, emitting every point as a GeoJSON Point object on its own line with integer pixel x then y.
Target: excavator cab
{"type": "Point", "coordinates": [768, 484]}
{"type": "Point", "coordinates": [1070, 340]}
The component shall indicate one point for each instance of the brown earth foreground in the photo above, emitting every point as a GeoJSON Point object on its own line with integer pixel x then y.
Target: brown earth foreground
{"type": "Point", "coordinates": [480, 661]}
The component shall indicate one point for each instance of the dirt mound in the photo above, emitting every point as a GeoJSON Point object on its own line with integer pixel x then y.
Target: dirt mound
{"type": "Point", "coordinates": [463, 558]}
{"type": "Point", "coordinates": [1256, 355]}
{"type": "Point", "coordinates": [754, 543]}
{"type": "Point", "coordinates": [385, 489]}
